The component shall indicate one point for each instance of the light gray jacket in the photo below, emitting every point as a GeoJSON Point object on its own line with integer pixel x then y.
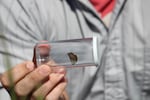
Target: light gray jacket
{"type": "Point", "coordinates": [124, 71]}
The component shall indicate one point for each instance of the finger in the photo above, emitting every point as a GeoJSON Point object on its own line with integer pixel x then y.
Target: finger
{"type": "Point", "coordinates": [51, 62]}
{"type": "Point", "coordinates": [33, 79]}
{"type": "Point", "coordinates": [60, 70]}
{"type": "Point", "coordinates": [57, 91]}
{"type": "Point", "coordinates": [48, 86]}
{"type": "Point", "coordinates": [13, 75]}
{"type": "Point", "coordinates": [56, 68]}
{"type": "Point", "coordinates": [65, 96]}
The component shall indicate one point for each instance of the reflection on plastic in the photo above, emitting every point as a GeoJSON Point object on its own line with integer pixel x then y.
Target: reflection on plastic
{"type": "Point", "coordinates": [68, 53]}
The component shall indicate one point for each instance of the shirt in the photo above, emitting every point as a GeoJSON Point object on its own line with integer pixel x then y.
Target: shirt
{"type": "Point", "coordinates": [123, 73]}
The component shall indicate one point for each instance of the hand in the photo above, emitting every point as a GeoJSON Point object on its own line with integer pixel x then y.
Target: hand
{"type": "Point", "coordinates": [30, 83]}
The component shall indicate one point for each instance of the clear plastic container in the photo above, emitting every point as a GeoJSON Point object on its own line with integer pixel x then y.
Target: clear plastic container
{"type": "Point", "coordinates": [68, 53]}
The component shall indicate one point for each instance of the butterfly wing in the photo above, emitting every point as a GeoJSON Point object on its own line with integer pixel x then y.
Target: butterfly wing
{"type": "Point", "coordinates": [73, 58]}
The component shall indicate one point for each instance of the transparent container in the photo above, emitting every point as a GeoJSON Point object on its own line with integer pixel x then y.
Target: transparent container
{"type": "Point", "coordinates": [68, 53]}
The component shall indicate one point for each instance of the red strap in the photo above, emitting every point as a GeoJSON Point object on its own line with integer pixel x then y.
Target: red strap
{"type": "Point", "coordinates": [103, 6]}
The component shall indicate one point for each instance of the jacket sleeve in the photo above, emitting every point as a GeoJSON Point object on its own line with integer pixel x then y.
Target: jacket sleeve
{"type": "Point", "coordinates": [146, 23]}
{"type": "Point", "coordinates": [21, 26]}
{"type": "Point", "coordinates": [144, 74]}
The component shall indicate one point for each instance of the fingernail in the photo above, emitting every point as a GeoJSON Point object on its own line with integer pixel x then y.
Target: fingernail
{"type": "Point", "coordinates": [30, 66]}
{"type": "Point", "coordinates": [60, 76]}
{"type": "Point", "coordinates": [60, 70]}
{"type": "Point", "coordinates": [44, 70]}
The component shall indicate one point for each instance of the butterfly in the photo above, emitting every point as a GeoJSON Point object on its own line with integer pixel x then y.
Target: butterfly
{"type": "Point", "coordinates": [73, 58]}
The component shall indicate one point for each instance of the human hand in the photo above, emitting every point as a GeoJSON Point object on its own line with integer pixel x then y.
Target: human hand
{"type": "Point", "coordinates": [30, 83]}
